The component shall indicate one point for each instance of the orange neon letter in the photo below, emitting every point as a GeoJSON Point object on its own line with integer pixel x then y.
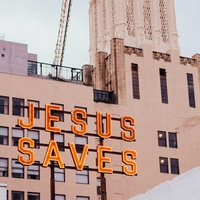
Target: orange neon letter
{"type": "Point", "coordinates": [30, 153]}
{"type": "Point", "coordinates": [102, 160]}
{"type": "Point", "coordinates": [78, 163]}
{"type": "Point", "coordinates": [30, 119]}
{"type": "Point", "coordinates": [100, 125]}
{"type": "Point", "coordinates": [128, 128]}
{"type": "Point", "coordinates": [132, 163]}
{"type": "Point", "coordinates": [50, 118]}
{"type": "Point", "coordinates": [53, 154]}
{"type": "Point", "coordinates": [75, 118]}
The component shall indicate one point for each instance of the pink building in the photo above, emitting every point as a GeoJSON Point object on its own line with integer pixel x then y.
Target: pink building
{"type": "Point", "coordinates": [135, 70]}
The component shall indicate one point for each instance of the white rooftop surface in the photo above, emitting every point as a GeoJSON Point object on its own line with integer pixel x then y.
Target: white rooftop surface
{"type": "Point", "coordinates": [182, 187]}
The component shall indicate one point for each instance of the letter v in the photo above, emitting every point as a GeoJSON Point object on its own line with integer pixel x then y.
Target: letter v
{"type": "Point", "coordinates": [78, 163]}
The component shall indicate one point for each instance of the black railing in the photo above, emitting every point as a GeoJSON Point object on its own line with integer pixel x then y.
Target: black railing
{"type": "Point", "coordinates": [103, 96]}
{"type": "Point", "coordinates": [55, 72]}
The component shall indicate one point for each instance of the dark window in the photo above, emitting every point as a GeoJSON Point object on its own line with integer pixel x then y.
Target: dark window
{"type": "Point", "coordinates": [17, 109]}
{"type": "Point", "coordinates": [33, 196]}
{"type": "Point", "coordinates": [59, 138]}
{"type": "Point", "coordinates": [36, 106]}
{"type": "Point", "coordinates": [163, 86]}
{"type": "Point", "coordinates": [162, 139]}
{"type": "Point", "coordinates": [17, 169]}
{"type": "Point", "coordinates": [82, 198]}
{"type": "Point", "coordinates": [35, 136]}
{"type": "Point", "coordinates": [59, 174]}
{"type": "Point", "coordinates": [82, 176]}
{"type": "Point", "coordinates": [3, 167]}
{"type": "Point", "coordinates": [59, 197]}
{"type": "Point", "coordinates": [174, 166]}
{"type": "Point", "coordinates": [4, 105]}
{"type": "Point", "coordinates": [80, 141]}
{"type": "Point", "coordinates": [191, 90]}
{"type": "Point", "coordinates": [103, 96]}
{"type": "Point", "coordinates": [173, 140]}
{"type": "Point", "coordinates": [33, 171]}
{"type": "Point", "coordinates": [59, 113]}
{"type": "Point", "coordinates": [3, 135]}
{"type": "Point", "coordinates": [135, 81]}
{"type": "Point", "coordinates": [16, 135]}
{"type": "Point", "coordinates": [163, 165]}
{"type": "Point", "coordinates": [17, 195]}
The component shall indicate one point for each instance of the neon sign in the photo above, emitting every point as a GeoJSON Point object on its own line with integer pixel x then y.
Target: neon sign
{"type": "Point", "coordinates": [79, 128]}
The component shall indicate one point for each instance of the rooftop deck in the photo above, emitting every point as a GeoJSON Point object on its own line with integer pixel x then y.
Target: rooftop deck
{"type": "Point", "coordinates": [61, 73]}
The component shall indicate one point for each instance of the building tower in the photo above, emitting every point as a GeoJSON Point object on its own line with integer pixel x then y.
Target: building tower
{"type": "Point", "coordinates": [137, 22]}
{"type": "Point", "coordinates": [117, 26]}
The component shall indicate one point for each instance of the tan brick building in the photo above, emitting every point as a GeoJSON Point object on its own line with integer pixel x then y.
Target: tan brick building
{"type": "Point", "coordinates": [136, 70]}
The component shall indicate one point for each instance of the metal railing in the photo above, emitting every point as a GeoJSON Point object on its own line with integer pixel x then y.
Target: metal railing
{"type": "Point", "coordinates": [55, 72]}
{"type": "Point", "coordinates": [103, 96]}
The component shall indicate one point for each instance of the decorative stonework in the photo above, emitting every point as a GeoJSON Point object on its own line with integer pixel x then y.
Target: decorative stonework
{"type": "Point", "coordinates": [133, 50]}
{"type": "Point", "coordinates": [164, 21]}
{"type": "Point", "coordinates": [113, 16]}
{"type": "Point", "coordinates": [158, 55]}
{"type": "Point", "coordinates": [185, 61]}
{"type": "Point", "coordinates": [104, 20]}
{"type": "Point", "coordinates": [147, 19]}
{"type": "Point", "coordinates": [130, 17]}
{"type": "Point", "coordinates": [96, 27]}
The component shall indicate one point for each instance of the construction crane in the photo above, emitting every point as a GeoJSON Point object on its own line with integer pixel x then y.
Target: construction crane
{"type": "Point", "coordinates": [62, 33]}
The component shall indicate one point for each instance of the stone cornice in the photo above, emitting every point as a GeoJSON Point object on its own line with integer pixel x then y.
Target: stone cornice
{"type": "Point", "coordinates": [158, 55]}
{"type": "Point", "coordinates": [185, 61]}
{"type": "Point", "coordinates": [133, 50]}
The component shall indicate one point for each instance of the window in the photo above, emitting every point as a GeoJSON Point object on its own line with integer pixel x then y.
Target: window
{"type": "Point", "coordinates": [3, 167]}
{"type": "Point", "coordinates": [33, 171]}
{"type": "Point", "coordinates": [34, 135]}
{"type": "Point", "coordinates": [59, 138]}
{"type": "Point", "coordinates": [173, 140]}
{"type": "Point", "coordinates": [17, 110]}
{"type": "Point", "coordinates": [162, 139]}
{"type": "Point", "coordinates": [59, 197]}
{"type": "Point", "coordinates": [36, 106]}
{"type": "Point", "coordinates": [82, 176]}
{"type": "Point", "coordinates": [4, 105]}
{"type": "Point", "coordinates": [17, 169]}
{"type": "Point", "coordinates": [191, 90]}
{"type": "Point", "coordinates": [3, 135]}
{"type": "Point", "coordinates": [163, 165]}
{"type": "Point", "coordinates": [98, 185]}
{"type": "Point", "coordinates": [135, 81]}
{"type": "Point", "coordinates": [59, 174]}
{"type": "Point", "coordinates": [174, 166]}
{"type": "Point", "coordinates": [17, 195]}
{"type": "Point", "coordinates": [103, 96]}
{"type": "Point", "coordinates": [163, 86]}
{"type": "Point", "coordinates": [82, 198]}
{"type": "Point", "coordinates": [60, 114]}
{"type": "Point", "coordinates": [33, 196]}
{"type": "Point", "coordinates": [80, 141]}
{"type": "Point", "coordinates": [16, 135]}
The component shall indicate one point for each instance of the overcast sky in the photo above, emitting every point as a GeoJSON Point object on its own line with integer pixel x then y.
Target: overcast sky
{"type": "Point", "coordinates": [36, 23]}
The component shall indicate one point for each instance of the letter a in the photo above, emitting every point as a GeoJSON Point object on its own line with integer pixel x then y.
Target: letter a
{"type": "Point", "coordinates": [53, 154]}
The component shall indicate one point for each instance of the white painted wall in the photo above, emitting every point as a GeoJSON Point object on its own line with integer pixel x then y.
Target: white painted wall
{"type": "Point", "coordinates": [183, 187]}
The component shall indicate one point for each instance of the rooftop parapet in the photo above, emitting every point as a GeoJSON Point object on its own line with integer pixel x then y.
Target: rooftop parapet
{"type": "Point", "coordinates": [61, 73]}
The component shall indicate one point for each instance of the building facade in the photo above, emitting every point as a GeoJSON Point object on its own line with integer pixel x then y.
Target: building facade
{"type": "Point", "coordinates": [136, 70]}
